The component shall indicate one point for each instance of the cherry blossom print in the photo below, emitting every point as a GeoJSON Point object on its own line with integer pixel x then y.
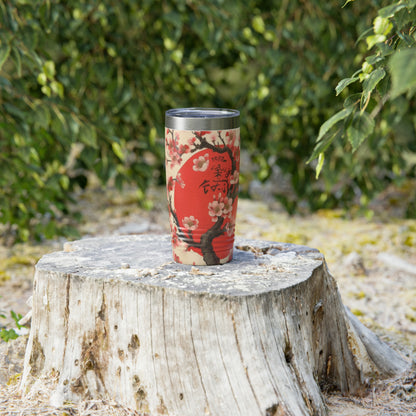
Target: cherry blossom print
{"type": "Point", "coordinates": [175, 149]}
{"type": "Point", "coordinates": [184, 148]}
{"type": "Point", "coordinates": [175, 238]}
{"type": "Point", "coordinates": [227, 205]}
{"type": "Point", "coordinates": [202, 169]}
{"type": "Point", "coordinates": [230, 229]}
{"type": "Point", "coordinates": [176, 159]}
{"type": "Point", "coordinates": [169, 184]}
{"type": "Point", "coordinates": [231, 138]}
{"type": "Point", "coordinates": [215, 209]}
{"type": "Point", "coordinates": [179, 180]}
{"type": "Point", "coordinates": [191, 142]}
{"type": "Point", "coordinates": [171, 181]}
{"type": "Point", "coordinates": [190, 223]}
{"type": "Point", "coordinates": [201, 163]}
{"type": "Point", "coordinates": [234, 177]}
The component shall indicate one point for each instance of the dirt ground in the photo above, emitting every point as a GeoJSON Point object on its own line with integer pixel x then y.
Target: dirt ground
{"type": "Point", "coordinates": [373, 261]}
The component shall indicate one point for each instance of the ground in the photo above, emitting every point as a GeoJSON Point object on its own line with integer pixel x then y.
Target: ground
{"type": "Point", "coordinates": [373, 261]}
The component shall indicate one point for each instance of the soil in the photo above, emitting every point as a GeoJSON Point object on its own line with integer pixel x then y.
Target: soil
{"type": "Point", "coordinates": [373, 261]}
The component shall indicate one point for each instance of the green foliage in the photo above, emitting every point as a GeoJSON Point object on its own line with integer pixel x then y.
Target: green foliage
{"type": "Point", "coordinates": [10, 334]}
{"type": "Point", "coordinates": [84, 86]}
{"type": "Point", "coordinates": [378, 121]}
{"type": "Point", "coordinates": [76, 97]}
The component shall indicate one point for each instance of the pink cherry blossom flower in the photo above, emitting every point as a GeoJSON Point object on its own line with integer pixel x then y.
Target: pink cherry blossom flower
{"type": "Point", "coordinates": [215, 209]}
{"type": "Point", "coordinates": [175, 157]}
{"type": "Point", "coordinates": [231, 138]}
{"type": "Point", "coordinates": [190, 223]}
{"type": "Point", "coordinates": [170, 184]}
{"type": "Point", "coordinates": [228, 205]}
{"type": "Point", "coordinates": [179, 180]}
{"type": "Point", "coordinates": [234, 178]}
{"type": "Point", "coordinates": [175, 239]}
{"type": "Point", "coordinates": [184, 148]}
{"type": "Point", "coordinates": [230, 229]}
{"type": "Point", "coordinates": [191, 141]}
{"type": "Point", "coordinates": [201, 163]}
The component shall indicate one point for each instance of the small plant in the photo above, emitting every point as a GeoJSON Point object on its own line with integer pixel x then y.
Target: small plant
{"type": "Point", "coordinates": [9, 334]}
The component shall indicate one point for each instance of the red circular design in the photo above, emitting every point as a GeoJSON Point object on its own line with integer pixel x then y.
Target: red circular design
{"type": "Point", "coordinates": [200, 199]}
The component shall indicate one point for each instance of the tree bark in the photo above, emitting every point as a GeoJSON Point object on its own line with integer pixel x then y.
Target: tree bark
{"type": "Point", "coordinates": [261, 335]}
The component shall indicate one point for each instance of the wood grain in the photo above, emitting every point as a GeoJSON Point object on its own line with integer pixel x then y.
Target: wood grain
{"type": "Point", "coordinates": [262, 335]}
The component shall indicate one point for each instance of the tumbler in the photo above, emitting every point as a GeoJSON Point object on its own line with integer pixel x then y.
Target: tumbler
{"type": "Point", "coordinates": [202, 148]}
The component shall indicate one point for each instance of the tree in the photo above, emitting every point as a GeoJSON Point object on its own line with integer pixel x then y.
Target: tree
{"type": "Point", "coordinates": [84, 86]}
{"type": "Point", "coordinates": [382, 107]}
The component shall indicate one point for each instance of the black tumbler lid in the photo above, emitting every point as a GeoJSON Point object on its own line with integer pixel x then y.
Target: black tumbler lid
{"type": "Point", "coordinates": [196, 118]}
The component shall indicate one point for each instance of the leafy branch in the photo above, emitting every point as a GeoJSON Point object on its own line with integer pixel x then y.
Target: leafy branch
{"type": "Point", "coordinates": [385, 75]}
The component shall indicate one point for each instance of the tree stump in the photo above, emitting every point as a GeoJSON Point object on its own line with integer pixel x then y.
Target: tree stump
{"type": "Point", "coordinates": [262, 335]}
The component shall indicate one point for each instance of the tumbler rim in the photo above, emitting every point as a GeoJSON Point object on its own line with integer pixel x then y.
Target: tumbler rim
{"type": "Point", "coordinates": [202, 118]}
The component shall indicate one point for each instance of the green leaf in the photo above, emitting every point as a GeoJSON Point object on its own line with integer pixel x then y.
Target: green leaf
{"type": "Point", "coordinates": [367, 68]}
{"type": "Point", "coordinates": [373, 59]}
{"type": "Point", "coordinates": [16, 318]}
{"type": "Point", "coordinates": [391, 10]}
{"type": "Point", "coordinates": [263, 92]}
{"type": "Point", "coordinates": [42, 79]}
{"type": "Point", "coordinates": [382, 26]}
{"type": "Point", "coordinates": [385, 50]}
{"type": "Point", "coordinates": [407, 40]}
{"type": "Point", "coordinates": [352, 100]}
{"type": "Point", "coordinates": [4, 54]}
{"type": "Point", "coordinates": [64, 182]}
{"type": "Point", "coordinates": [46, 90]}
{"type": "Point", "coordinates": [177, 56]}
{"type": "Point", "coordinates": [258, 24]}
{"type": "Point", "coordinates": [364, 35]}
{"type": "Point", "coordinates": [347, 1]}
{"type": "Point", "coordinates": [18, 61]}
{"type": "Point", "coordinates": [12, 109]}
{"type": "Point", "coordinates": [118, 151]}
{"type": "Point", "coordinates": [332, 121]}
{"type": "Point", "coordinates": [57, 88]}
{"type": "Point", "coordinates": [321, 160]}
{"type": "Point", "coordinates": [8, 334]}
{"type": "Point", "coordinates": [324, 143]}
{"type": "Point", "coordinates": [344, 83]}
{"type": "Point", "coordinates": [49, 69]}
{"type": "Point", "coordinates": [88, 135]}
{"type": "Point", "coordinates": [42, 116]}
{"type": "Point", "coordinates": [169, 44]}
{"type": "Point", "coordinates": [373, 79]}
{"type": "Point", "coordinates": [374, 39]}
{"type": "Point", "coordinates": [361, 127]}
{"type": "Point", "coordinates": [403, 71]}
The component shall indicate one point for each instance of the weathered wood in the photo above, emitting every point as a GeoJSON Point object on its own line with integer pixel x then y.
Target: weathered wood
{"type": "Point", "coordinates": [261, 335]}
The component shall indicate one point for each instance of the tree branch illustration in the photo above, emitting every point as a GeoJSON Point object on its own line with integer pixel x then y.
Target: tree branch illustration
{"type": "Point", "coordinates": [204, 144]}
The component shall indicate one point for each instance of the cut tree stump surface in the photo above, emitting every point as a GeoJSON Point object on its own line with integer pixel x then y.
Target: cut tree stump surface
{"type": "Point", "coordinates": [261, 335]}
